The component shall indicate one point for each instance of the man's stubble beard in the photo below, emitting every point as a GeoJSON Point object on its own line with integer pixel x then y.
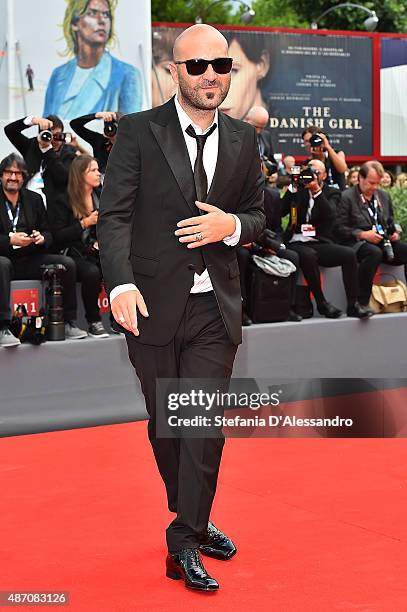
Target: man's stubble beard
{"type": "Point", "coordinates": [196, 99]}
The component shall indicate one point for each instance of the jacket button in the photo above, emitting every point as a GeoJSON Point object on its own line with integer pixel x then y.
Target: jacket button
{"type": "Point", "coordinates": [191, 267]}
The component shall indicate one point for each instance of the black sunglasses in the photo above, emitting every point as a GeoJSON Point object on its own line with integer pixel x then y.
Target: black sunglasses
{"type": "Point", "coordinates": [195, 67]}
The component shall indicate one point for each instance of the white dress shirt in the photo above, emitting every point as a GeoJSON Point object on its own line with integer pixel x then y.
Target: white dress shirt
{"type": "Point", "coordinates": [202, 282]}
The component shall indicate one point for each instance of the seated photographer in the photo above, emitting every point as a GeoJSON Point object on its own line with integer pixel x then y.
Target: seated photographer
{"type": "Point", "coordinates": [24, 242]}
{"type": "Point", "coordinates": [269, 242]}
{"type": "Point", "coordinates": [317, 145]}
{"type": "Point", "coordinates": [101, 143]}
{"type": "Point", "coordinates": [73, 224]}
{"type": "Point", "coordinates": [312, 206]}
{"type": "Point", "coordinates": [365, 223]}
{"type": "Point", "coordinates": [47, 155]}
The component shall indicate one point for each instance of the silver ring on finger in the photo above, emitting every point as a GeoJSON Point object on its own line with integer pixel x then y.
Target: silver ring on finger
{"type": "Point", "coordinates": [198, 236]}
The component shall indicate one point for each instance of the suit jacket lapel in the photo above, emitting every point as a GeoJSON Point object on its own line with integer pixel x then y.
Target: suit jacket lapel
{"type": "Point", "coordinates": [230, 144]}
{"type": "Point", "coordinates": [5, 221]}
{"type": "Point", "coordinates": [167, 132]}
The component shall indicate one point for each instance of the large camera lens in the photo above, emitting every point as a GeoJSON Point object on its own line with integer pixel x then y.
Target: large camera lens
{"type": "Point", "coordinates": [316, 141]}
{"type": "Point", "coordinates": [46, 136]}
{"type": "Point", "coordinates": [110, 128]}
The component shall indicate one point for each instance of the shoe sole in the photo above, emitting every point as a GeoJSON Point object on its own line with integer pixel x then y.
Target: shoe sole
{"type": "Point", "coordinates": [104, 335]}
{"type": "Point", "coordinates": [175, 576]}
{"type": "Point", "coordinates": [218, 557]}
{"type": "Point", "coordinates": [10, 345]}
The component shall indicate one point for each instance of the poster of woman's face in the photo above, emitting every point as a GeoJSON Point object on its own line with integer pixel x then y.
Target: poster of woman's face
{"type": "Point", "coordinates": [250, 65]}
{"type": "Point", "coordinates": [301, 78]}
{"type": "Point", "coordinates": [77, 57]}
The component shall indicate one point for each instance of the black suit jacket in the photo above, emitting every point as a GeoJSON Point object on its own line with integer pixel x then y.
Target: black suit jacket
{"type": "Point", "coordinates": [56, 165]}
{"type": "Point", "coordinates": [323, 213]}
{"type": "Point", "coordinates": [353, 216]}
{"type": "Point", "coordinates": [35, 217]}
{"type": "Point", "coordinates": [149, 187]}
{"type": "Point", "coordinates": [266, 145]}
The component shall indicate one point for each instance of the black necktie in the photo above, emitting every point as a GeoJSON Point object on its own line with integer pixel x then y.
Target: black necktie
{"type": "Point", "coordinates": [200, 178]}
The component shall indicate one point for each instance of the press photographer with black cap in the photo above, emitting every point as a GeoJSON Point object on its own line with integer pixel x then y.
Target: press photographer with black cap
{"type": "Point", "coordinates": [101, 143]}
{"type": "Point", "coordinates": [24, 242]}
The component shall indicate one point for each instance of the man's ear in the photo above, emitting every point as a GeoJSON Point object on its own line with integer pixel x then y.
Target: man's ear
{"type": "Point", "coordinates": [174, 72]}
{"type": "Point", "coordinates": [263, 65]}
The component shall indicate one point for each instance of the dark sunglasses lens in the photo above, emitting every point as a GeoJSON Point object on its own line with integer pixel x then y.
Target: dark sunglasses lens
{"type": "Point", "coordinates": [222, 65]}
{"type": "Point", "coordinates": [196, 67]}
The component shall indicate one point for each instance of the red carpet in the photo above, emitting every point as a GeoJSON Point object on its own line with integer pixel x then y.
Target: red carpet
{"type": "Point", "coordinates": [320, 524]}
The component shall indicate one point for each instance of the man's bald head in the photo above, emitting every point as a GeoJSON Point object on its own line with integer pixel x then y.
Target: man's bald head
{"type": "Point", "coordinates": [205, 91]}
{"type": "Point", "coordinates": [258, 117]}
{"type": "Point", "coordinates": [201, 36]}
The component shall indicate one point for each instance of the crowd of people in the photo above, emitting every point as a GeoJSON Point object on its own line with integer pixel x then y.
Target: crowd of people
{"type": "Point", "coordinates": [49, 211]}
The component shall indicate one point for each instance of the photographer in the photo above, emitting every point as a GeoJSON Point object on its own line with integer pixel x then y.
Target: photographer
{"type": "Point", "coordinates": [258, 117]}
{"type": "Point", "coordinates": [312, 206]}
{"type": "Point", "coordinates": [101, 143]}
{"type": "Point", "coordinates": [47, 156]}
{"type": "Point", "coordinates": [24, 242]}
{"type": "Point", "coordinates": [365, 222]}
{"type": "Point", "coordinates": [73, 224]}
{"type": "Point", "coordinates": [317, 145]}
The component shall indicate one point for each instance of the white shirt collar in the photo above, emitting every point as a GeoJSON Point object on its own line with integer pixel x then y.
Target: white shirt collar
{"type": "Point", "coordinates": [185, 120]}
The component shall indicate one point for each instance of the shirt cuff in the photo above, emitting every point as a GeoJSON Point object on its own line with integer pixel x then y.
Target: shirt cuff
{"type": "Point", "coordinates": [121, 289]}
{"type": "Point", "coordinates": [28, 120]}
{"type": "Point", "coordinates": [235, 237]}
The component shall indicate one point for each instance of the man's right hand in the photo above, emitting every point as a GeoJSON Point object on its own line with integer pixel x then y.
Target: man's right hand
{"type": "Point", "coordinates": [106, 116]}
{"type": "Point", "coordinates": [20, 239]}
{"type": "Point", "coordinates": [43, 124]}
{"type": "Point", "coordinates": [370, 236]}
{"type": "Point", "coordinates": [124, 309]}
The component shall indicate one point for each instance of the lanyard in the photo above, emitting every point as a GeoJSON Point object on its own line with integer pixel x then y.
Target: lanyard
{"type": "Point", "coordinates": [372, 207]}
{"type": "Point", "coordinates": [13, 220]}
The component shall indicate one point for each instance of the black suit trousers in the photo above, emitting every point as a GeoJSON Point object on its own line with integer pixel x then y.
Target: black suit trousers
{"type": "Point", "coordinates": [315, 254]}
{"type": "Point", "coordinates": [189, 468]}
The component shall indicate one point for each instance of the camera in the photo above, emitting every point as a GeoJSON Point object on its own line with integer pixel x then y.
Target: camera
{"type": "Point", "coordinates": [270, 166]}
{"type": "Point", "coordinates": [45, 135]}
{"type": "Point", "coordinates": [302, 178]}
{"type": "Point", "coordinates": [65, 137]}
{"type": "Point", "coordinates": [54, 300]}
{"type": "Point", "coordinates": [316, 141]}
{"type": "Point", "coordinates": [267, 241]}
{"type": "Point", "coordinates": [110, 128]}
{"type": "Point", "coordinates": [387, 248]}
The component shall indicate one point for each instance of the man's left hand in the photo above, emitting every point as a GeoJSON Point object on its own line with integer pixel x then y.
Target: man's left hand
{"type": "Point", "coordinates": [394, 237]}
{"type": "Point", "coordinates": [37, 237]}
{"type": "Point", "coordinates": [201, 230]}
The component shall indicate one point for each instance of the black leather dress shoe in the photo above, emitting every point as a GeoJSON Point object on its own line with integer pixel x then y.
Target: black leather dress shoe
{"type": "Point", "coordinates": [329, 310]}
{"type": "Point", "coordinates": [187, 565]}
{"type": "Point", "coordinates": [359, 311]}
{"type": "Point", "coordinates": [294, 316]}
{"type": "Point", "coordinates": [216, 544]}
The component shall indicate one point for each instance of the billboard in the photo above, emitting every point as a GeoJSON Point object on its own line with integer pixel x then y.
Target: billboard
{"type": "Point", "coordinates": [393, 95]}
{"type": "Point", "coordinates": [302, 79]}
{"type": "Point", "coordinates": [75, 57]}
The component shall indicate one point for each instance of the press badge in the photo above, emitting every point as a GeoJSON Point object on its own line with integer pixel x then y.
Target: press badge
{"type": "Point", "coordinates": [308, 230]}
